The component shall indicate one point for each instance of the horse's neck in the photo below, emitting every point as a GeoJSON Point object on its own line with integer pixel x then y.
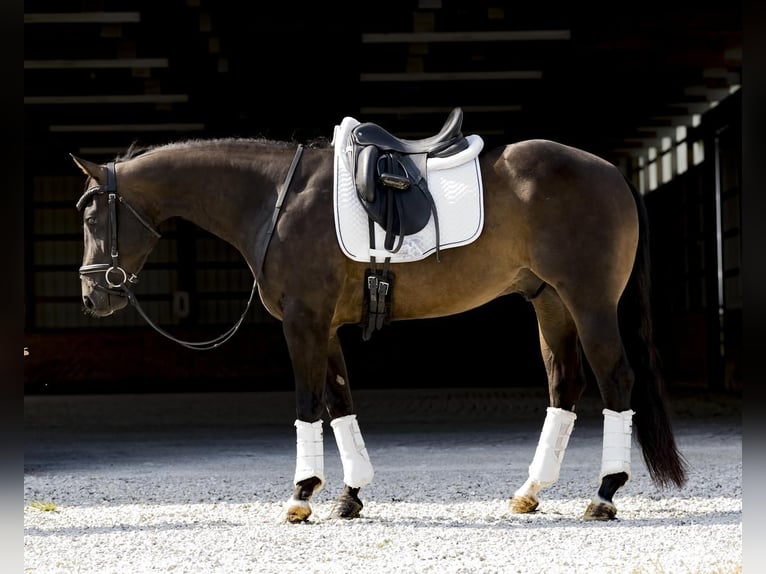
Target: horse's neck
{"type": "Point", "coordinates": [227, 201]}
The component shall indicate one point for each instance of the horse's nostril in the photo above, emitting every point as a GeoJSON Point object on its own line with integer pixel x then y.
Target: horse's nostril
{"type": "Point", "coordinates": [87, 302]}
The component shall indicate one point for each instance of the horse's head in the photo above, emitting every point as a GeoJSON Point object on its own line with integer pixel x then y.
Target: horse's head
{"type": "Point", "coordinates": [117, 240]}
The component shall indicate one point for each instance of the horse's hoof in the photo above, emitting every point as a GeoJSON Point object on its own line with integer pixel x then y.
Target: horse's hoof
{"type": "Point", "coordinates": [297, 511]}
{"type": "Point", "coordinates": [523, 504]}
{"type": "Point", "coordinates": [600, 510]}
{"type": "Point", "coordinates": [348, 505]}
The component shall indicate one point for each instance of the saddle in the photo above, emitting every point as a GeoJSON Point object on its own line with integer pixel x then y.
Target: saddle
{"type": "Point", "coordinates": [392, 185]}
{"type": "Point", "coordinates": [391, 179]}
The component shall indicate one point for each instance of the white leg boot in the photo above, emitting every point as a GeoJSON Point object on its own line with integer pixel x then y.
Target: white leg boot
{"type": "Point", "coordinates": [618, 434]}
{"type": "Point", "coordinates": [357, 468]}
{"type": "Point", "coordinates": [546, 464]}
{"type": "Point", "coordinates": [615, 460]}
{"type": "Point", "coordinates": [309, 463]}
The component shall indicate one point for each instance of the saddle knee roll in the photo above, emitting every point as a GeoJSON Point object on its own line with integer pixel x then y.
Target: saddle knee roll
{"type": "Point", "coordinates": [357, 468]}
{"type": "Point", "coordinates": [615, 456]}
{"type": "Point", "coordinates": [365, 178]}
{"type": "Point", "coordinates": [309, 460]}
{"type": "Point", "coordinates": [554, 438]}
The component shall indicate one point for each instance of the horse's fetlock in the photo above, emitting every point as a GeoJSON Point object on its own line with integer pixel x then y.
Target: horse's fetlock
{"type": "Point", "coordinates": [306, 488]}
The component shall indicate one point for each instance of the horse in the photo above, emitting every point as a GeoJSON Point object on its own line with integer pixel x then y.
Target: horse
{"type": "Point", "coordinates": [560, 226]}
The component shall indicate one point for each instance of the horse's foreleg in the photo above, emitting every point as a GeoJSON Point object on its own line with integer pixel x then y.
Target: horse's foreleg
{"type": "Point", "coordinates": [306, 337]}
{"type": "Point", "coordinates": [309, 469]}
{"type": "Point", "coordinates": [357, 468]}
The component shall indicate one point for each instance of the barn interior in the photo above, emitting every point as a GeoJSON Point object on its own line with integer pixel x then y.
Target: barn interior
{"type": "Point", "coordinates": [655, 88]}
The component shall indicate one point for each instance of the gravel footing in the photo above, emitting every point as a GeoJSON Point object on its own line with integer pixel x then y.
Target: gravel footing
{"type": "Point", "coordinates": [196, 484]}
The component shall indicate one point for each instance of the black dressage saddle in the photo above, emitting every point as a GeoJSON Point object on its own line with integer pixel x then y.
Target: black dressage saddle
{"type": "Point", "coordinates": [391, 176]}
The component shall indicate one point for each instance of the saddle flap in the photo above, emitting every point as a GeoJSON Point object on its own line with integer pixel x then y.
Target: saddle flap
{"type": "Point", "coordinates": [389, 195]}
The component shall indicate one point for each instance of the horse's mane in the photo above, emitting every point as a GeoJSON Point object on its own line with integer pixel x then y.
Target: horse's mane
{"type": "Point", "coordinates": [135, 150]}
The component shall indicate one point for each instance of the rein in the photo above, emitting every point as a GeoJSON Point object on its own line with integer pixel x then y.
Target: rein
{"type": "Point", "coordinates": [120, 288]}
{"type": "Point", "coordinates": [278, 205]}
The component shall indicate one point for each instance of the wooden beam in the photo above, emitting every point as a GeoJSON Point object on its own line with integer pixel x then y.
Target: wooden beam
{"type": "Point", "coordinates": [672, 120]}
{"type": "Point", "coordinates": [93, 64]}
{"type": "Point", "coordinates": [490, 36]}
{"type": "Point", "coordinates": [711, 94]}
{"type": "Point", "coordinates": [451, 76]}
{"type": "Point", "coordinates": [119, 99]}
{"type": "Point", "coordinates": [82, 18]}
{"type": "Point", "coordinates": [413, 110]}
{"type": "Point", "coordinates": [689, 107]}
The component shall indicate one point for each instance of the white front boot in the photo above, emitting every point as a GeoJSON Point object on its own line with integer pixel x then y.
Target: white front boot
{"type": "Point", "coordinates": [357, 468]}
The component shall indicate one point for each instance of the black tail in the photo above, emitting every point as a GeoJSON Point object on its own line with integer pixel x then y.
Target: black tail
{"type": "Point", "coordinates": [651, 421]}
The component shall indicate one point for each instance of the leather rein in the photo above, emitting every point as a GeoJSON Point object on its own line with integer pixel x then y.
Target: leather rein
{"type": "Point", "coordinates": [118, 280]}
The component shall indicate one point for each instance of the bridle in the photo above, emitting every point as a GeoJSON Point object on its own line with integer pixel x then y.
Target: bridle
{"type": "Point", "coordinates": [119, 288]}
{"type": "Point", "coordinates": [118, 280]}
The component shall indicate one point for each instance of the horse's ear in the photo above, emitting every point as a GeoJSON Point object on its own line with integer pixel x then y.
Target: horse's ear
{"type": "Point", "coordinates": [88, 167]}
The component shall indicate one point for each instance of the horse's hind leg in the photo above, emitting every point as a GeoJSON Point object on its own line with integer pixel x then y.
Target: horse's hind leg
{"type": "Point", "coordinates": [357, 468]}
{"type": "Point", "coordinates": [600, 337]}
{"type": "Point", "coordinates": [558, 344]}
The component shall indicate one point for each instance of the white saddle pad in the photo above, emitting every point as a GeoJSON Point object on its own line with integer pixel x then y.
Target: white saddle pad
{"type": "Point", "coordinates": [454, 183]}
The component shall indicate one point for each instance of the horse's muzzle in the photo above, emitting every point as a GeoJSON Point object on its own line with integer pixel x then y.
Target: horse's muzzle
{"type": "Point", "coordinates": [100, 301]}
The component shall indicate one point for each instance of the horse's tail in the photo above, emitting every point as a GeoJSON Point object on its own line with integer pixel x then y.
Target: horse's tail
{"type": "Point", "coordinates": [651, 421]}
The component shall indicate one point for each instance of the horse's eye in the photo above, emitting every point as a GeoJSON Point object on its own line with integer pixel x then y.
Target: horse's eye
{"type": "Point", "coordinates": [91, 221]}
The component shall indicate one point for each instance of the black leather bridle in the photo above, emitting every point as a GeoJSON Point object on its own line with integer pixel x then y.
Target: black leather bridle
{"type": "Point", "coordinates": [109, 269]}
{"type": "Point", "coordinates": [115, 276]}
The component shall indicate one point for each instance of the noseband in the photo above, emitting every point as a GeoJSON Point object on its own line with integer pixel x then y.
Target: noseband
{"type": "Point", "coordinates": [114, 272]}
{"type": "Point", "coordinates": [110, 269]}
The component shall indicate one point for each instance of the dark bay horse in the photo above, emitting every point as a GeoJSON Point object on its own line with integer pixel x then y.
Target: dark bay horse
{"type": "Point", "coordinates": [560, 226]}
